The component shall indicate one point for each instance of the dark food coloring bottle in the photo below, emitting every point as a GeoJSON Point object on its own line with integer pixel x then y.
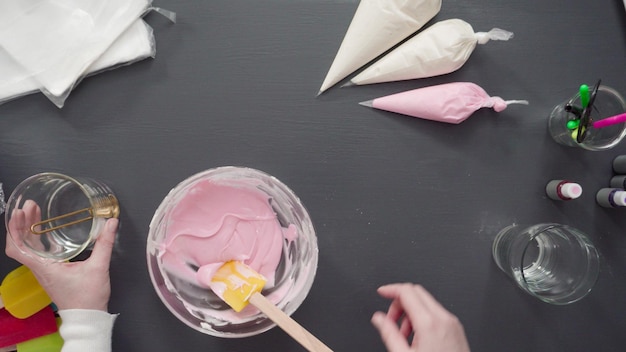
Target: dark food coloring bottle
{"type": "Point", "coordinates": [618, 181]}
{"type": "Point", "coordinates": [619, 164]}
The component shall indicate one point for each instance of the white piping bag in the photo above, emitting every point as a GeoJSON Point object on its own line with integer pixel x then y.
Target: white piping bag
{"type": "Point", "coordinates": [377, 26]}
{"type": "Point", "coordinates": [439, 49]}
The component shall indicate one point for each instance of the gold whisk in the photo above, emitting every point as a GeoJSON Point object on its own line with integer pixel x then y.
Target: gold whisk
{"type": "Point", "coordinates": [105, 208]}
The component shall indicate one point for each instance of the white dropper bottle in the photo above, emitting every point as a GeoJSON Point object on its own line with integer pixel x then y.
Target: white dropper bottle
{"type": "Point", "coordinates": [563, 190]}
{"type": "Point", "coordinates": [611, 197]}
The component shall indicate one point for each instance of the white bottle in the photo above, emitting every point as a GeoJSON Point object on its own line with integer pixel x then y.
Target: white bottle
{"type": "Point", "coordinates": [563, 190]}
{"type": "Point", "coordinates": [611, 197]}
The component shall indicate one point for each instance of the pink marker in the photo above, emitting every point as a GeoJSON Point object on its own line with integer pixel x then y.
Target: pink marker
{"type": "Point", "coordinates": [563, 190]}
{"type": "Point", "coordinates": [613, 120]}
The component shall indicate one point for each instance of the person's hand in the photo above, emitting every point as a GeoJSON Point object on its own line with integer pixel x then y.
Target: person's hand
{"type": "Point", "coordinates": [70, 285]}
{"type": "Point", "coordinates": [414, 310]}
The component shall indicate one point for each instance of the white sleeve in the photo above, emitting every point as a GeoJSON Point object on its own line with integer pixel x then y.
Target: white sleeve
{"type": "Point", "coordinates": [86, 330]}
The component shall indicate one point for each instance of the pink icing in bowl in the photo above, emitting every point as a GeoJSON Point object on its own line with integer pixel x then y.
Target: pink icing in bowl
{"type": "Point", "coordinates": [230, 213]}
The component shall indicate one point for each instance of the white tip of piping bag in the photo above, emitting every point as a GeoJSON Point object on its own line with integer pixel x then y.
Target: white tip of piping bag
{"type": "Point", "coordinates": [368, 103]}
{"type": "Point", "coordinates": [499, 34]}
{"type": "Point", "coordinates": [509, 102]}
{"type": "Point", "coordinates": [320, 92]}
{"type": "Point", "coordinates": [494, 34]}
{"type": "Point", "coordinates": [348, 84]}
{"type": "Point", "coordinates": [171, 15]}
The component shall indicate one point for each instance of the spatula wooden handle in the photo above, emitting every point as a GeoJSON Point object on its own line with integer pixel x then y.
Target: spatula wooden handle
{"type": "Point", "coordinates": [290, 326]}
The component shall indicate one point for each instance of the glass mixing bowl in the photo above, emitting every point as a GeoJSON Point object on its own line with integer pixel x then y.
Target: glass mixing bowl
{"type": "Point", "coordinates": [199, 307]}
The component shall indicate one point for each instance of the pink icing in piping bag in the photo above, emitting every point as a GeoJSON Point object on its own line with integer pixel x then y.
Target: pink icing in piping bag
{"type": "Point", "coordinates": [450, 102]}
{"type": "Point", "coordinates": [613, 120]}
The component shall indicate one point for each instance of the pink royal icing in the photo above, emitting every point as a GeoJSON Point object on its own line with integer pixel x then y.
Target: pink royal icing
{"type": "Point", "coordinates": [217, 222]}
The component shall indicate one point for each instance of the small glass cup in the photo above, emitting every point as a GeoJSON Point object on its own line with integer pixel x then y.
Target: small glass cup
{"type": "Point", "coordinates": [199, 307]}
{"type": "Point", "coordinates": [556, 263]}
{"type": "Point", "coordinates": [608, 102]}
{"type": "Point", "coordinates": [59, 216]}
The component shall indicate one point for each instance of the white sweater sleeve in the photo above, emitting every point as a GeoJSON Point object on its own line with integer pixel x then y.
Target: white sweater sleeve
{"type": "Point", "coordinates": [86, 330]}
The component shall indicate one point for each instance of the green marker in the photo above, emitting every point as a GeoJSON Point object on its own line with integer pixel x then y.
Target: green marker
{"type": "Point", "coordinates": [584, 95]}
{"type": "Point", "coordinates": [572, 124]}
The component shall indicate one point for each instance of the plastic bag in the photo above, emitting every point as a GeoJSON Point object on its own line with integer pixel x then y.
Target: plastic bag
{"type": "Point", "coordinates": [450, 102]}
{"type": "Point", "coordinates": [377, 26]}
{"type": "Point", "coordinates": [3, 204]}
{"type": "Point", "coordinates": [55, 42]}
{"type": "Point", "coordinates": [135, 44]}
{"type": "Point", "coordinates": [441, 48]}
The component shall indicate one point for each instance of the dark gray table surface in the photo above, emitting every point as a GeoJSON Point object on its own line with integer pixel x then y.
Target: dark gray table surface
{"type": "Point", "coordinates": [392, 198]}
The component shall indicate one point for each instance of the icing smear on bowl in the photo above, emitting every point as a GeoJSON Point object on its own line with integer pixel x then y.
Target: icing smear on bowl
{"type": "Point", "coordinates": [215, 223]}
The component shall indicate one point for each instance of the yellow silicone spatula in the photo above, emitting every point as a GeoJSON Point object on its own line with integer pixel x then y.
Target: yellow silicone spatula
{"type": "Point", "coordinates": [21, 295]}
{"type": "Point", "coordinates": [237, 284]}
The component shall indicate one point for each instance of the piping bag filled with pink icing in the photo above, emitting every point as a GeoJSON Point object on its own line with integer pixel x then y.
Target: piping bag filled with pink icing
{"type": "Point", "coordinates": [450, 102]}
{"type": "Point", "coordinates": [216, 222]}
